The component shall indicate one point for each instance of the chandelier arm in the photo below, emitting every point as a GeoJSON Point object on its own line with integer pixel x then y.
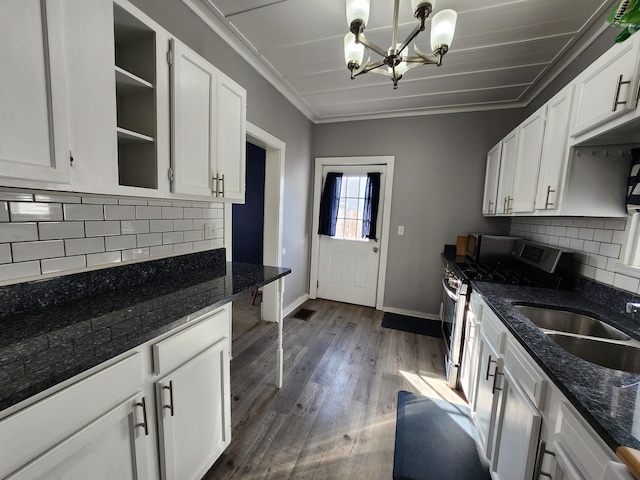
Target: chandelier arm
{"type": "Point", "coordinates": [425, 60]}
{"type": "Point", "coordinates": [431, 59]}
{"type": "Point", "coordinates": [369, 68]}
{"type": "Point", "coordinates": [409, 39]}
{"type": "Point", "coordinates": [372, 46]}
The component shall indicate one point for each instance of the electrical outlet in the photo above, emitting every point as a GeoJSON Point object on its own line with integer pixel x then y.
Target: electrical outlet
{"type": "Point", "coordinates": [400, 229]}
{"type": "Point", "coordinates": [209, 231]}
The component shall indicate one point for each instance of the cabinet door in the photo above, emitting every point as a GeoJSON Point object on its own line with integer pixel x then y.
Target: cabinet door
{"type": "Point", "coordinates": [517, 433]}
{"type": "Point", "coordinates": [112, 446]}
{"type": "Point", "coordinates": [507, 168]}
{"type": "Point", "coordinates": [194, 413]}
{"type": "Point", "coordinates": [33, 102]}
{"type": "Point", "coordinates": [608, 87]}
{"type": "Point", "coordinates": [194, 87]}
{"type": "Point", "coordinates": [491, 180]}
{"type": "Point", "coordinates": [554, 150]}
{"type": "Point", "coordinates": [529, 151]}
{"type": "Point", "coordinates": [232, 133]}
{"type": "Point", "coordinates": [486, 396]}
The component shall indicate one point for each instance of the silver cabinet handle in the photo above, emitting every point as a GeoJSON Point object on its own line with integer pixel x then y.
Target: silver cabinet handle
{"type": "Point", "coordinates": [222, 183]}
{"type": "Point", "coordinates": [542, 451]}
{"type": "Point", "coordinates": [145, 420]}
{"type": "Point", "coordinates": [505, 206]}
{"type": "Point", "coordinates": [495, 374]}
{"type": "Point", "coordinates": [510, 204]}
{"type": "Point", "coordinates": [214, 185]}
{"type": "Point", "coordinates": [616, 94]}
{"type": "Point", "coordinates": [489, 367]}
{"type": "Point", "coordinates": [490, 205]}
{"type": "Point", "coordinates": [170, 405]}
{"type": "Point", "coordinates": [547, 203]}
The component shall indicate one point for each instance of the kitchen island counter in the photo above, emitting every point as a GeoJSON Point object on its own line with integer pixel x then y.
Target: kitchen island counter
{"type": "Point", "coordinates": [54, 329]}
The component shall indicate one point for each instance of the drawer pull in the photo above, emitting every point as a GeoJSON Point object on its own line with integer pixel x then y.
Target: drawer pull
{"type": "Point", "coordinates": [145, 420]}
{"type": "Point", "coordinates": [547, 203]}
{"type": "Point", "coordinates": [616, 95]}
{"type": "Point", "coordinates": [542, 451]}
{"type": "Point", "coordinates": [486, 377]}
{"type": "Point", "coordinates": [170, 405]}
{"type": "Point", "coordinates": [490, 206]}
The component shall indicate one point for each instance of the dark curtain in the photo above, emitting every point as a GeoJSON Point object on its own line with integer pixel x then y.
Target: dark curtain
{"type": "Point", "coordinates": [329, 203]}
{"type": "Point", "coordinates": [633, 184]}
{"type": "Point", "coordinates": [371, 201]}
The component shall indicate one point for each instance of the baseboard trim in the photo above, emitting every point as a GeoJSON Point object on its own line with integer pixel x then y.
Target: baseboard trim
{"type": "Point", "coordinates": [295, 304]}
{"type": "Point", "coordinates": [411, 313]}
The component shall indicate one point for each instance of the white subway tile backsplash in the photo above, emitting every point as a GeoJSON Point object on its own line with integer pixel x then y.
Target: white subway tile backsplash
{"type": "Point", "coordinates": [591, 247]}
{"type": "Point", "coordinates": [83, 212]}
{"type": "Point", "coordinates": [12, 271]}
{"type": "Point", "coordinates": [25, 251]}
{"type": "Point", "coordinates": [580, 222]}
{"type": "Point", "coordinates": [573, 232]}
{"type": "Point", "coordinates": [135, 254]}
{"type": "Point", "coordinates": [586, 233]}
{"type": "Point", "coordinates": [149, 239]}
{"type": "Point", "coordinates": [626, 283]}
{"type": "Point", "coordinates": [95, 259]}
{"type": "Point", "coordinates": [172, 212]}
{"type": "Point", "coordinates": [4, 212]}
{"type": "Point", "coordinates": [121, 242]}
{"type": "Point", "coordinates": [148, 213]}
{"type": "Point", "coordinates": [604, 276]}
{"type": "Point", "coordinates": [18, 232]}
{"type": "Point", "coordinates": [31, 212]}
{"type": "Point", "coordinates": [603, 236]}
{"type": "Point", "coordinates": [60, 230]}
{"type": "Point", "coordinates": [610, 250]}
{"type": "Point", "coordinates": [615, 223]}
{"type": "Point", "coordinates": [56, 198]}
{"type": "Point", "coordinates": [161, 250]}
{"type": "Point", "coordinates": [134, 226]}
{"type": "Point", "coordinates": [5, 253]}
{"type": "Point", "coordinates": [45, 232]}
{"type": "Point", "coordinates": [119, 212]}
{"type": "Point", "coordinates": [620, 237]}
{"type": "Point", "coordinates": [596, 223]}
{"type": "Point", "coordinates": [80, 246]}
{"type": "Point", "coordinates": [102, 229]}
{"type": "Point", "coordinates": [54, 265]}
{"type": "Point", "coordinates": [172, 237]}
{"type": "Point", "coordinates": [156, 226]}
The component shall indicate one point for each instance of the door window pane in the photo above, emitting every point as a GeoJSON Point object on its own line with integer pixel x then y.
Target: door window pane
{"type": "Point", "coordinates": [351, 209]}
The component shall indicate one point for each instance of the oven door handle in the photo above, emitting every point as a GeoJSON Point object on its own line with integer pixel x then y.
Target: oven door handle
{"type": "Point", "coordinates": [448, 291]}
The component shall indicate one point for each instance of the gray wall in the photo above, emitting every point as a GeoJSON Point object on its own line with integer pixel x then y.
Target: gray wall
{"type": "Point", "coordinates": [437, 189]}
{"type": "Point", "coordinates": [267, 109]}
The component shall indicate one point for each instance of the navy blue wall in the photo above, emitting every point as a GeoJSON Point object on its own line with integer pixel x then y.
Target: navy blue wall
{"type": "Point", "coordinates": [248, 219]}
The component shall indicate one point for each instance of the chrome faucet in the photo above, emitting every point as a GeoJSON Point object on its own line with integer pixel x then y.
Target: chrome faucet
{"type": "Point", "coordinates": [633, 307]}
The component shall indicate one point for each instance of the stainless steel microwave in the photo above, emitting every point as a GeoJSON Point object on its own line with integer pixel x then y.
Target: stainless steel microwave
{"type": "Point", "coordinates": [482, 247]}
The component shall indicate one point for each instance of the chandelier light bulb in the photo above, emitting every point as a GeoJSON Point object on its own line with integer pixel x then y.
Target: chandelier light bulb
{"type": "Point", "coordinates": [358, 11]}
{"type": "Point", "coordinates": [353, 52]}
{"type": "Point", "coordinates": [443, 27]}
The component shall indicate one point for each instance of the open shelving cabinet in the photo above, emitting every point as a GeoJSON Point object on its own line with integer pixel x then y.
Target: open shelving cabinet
{"type": "Point", "coordinates": [135, 77]}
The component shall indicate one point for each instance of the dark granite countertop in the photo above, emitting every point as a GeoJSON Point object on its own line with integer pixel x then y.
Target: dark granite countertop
{"type": "Point", "coordinates": [607, 399]}
{"type": "Point", "coordinates": [44, 340]}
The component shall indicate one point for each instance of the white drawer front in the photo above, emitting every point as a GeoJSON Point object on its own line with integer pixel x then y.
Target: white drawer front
{"type": "Point", "coordinates": [36, 428]}
{"type": "Point", "coordinates": [528, 377]}
{"type": "Point", "coordinates": [494, 330]}
{"type": "Point", "coordinates": [177, 349]}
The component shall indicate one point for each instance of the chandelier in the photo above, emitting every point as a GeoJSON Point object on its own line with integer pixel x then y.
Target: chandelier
{"type": "Point", "coordinates": [395, 61]}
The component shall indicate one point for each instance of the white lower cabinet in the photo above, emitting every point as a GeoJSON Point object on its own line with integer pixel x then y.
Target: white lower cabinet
{"type": "Point", "coordinates": [193, 412]}
{"type": "Point", "coordinates": [526, 426]}
{"type": "Point", "coordinates": [104, 425]}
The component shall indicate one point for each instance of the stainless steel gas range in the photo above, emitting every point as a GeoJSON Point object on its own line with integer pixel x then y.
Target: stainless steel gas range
{"type": "Point", "coordinates": [529, 264]}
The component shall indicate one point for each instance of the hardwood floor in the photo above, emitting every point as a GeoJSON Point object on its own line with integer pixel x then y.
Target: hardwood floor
{"type": "Point", "coordinates": [335, 416]}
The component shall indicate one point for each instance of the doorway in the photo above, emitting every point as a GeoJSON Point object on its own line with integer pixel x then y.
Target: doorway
{"type": "Point", "coordinates": [344, 266]}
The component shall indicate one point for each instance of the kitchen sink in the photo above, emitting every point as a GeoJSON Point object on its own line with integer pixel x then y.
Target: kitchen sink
{"type": "Point", "coordinates": [606, 354]}
{"type": "Point", "coordinates": [569, 322]}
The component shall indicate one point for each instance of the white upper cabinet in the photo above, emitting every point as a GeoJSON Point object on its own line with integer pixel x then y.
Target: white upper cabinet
{"type": "Point", "coordinates": [491, 180]}
{"type": "Point", "coordinates": [194, 86]}
{"type": "Point", "coordinates": [232, 132]}
{"type": "Point", "coordinates": [608, 88]}
{"type": "Point", "coordinates": [33, 101]}
{"type": "Point", "coordinates": [208, 129]}
{"type": "Point", "coordinates": [507, 169]}
{"type": "Point", "coordinates": [529, 150]}
{"type": "Point", "coordinates": [554, 150]}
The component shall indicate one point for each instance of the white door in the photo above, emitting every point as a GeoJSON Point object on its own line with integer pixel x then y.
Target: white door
{"type": "Point", "coordinates": [347, 263]}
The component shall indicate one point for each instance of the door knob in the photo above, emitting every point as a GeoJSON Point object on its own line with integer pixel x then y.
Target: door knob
{"type": "Point", "coordinates": [375, 249]}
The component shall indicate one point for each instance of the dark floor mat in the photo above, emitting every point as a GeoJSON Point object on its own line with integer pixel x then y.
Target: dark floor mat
{"type": "Point", "coordinates": [435, 440]}
{"type": "Point", "coordinates": [421, 326]}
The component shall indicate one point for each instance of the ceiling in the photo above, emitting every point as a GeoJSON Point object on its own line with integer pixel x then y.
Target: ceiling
{"type": "Point", "coordinates": [503, 52]}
